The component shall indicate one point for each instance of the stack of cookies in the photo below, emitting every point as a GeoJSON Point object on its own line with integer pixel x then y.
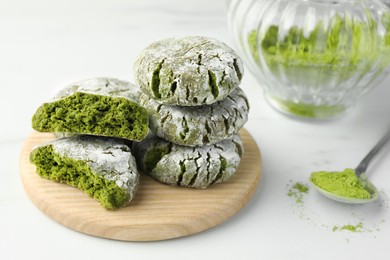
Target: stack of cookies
{"type": "Point", "coordinates": [188, 96]}
{"type": "Point", "coordinates": [190, 87]}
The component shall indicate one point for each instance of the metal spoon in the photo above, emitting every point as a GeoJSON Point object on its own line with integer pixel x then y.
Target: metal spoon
{"type": "Point", "coordinates": [360, 172]}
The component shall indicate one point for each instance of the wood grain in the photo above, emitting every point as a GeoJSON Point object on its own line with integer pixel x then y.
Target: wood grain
{"type": "Point", "coordinates": [157, 212]}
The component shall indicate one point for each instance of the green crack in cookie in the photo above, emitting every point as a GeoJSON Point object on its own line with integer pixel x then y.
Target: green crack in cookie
{"type": "Point", "coordinates": [195, 167]}
{"type": "Point", "coordinates": [103, 168]}
{"type": "Point", "coordinates": [189, 71]}
{"type": "Point", "coordinates": [99, 106]}
{"type": "Point", "coordinates": [200, 125]}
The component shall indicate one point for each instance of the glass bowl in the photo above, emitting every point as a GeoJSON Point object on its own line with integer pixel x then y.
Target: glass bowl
{"type": "Point", "coordinates": [313, 58]}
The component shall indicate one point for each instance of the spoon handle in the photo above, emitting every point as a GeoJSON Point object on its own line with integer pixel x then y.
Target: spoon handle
{"type": "Point", "coordinates": [362, 167]}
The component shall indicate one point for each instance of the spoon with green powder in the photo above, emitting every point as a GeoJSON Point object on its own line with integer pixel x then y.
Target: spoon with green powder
{"type": "Point", "coordinates": [349, 185]}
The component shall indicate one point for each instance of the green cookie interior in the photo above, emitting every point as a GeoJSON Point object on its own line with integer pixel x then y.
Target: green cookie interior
{"type": "Point", "coordinates": [77, 173]}
{"type": "Point", "coordinates": [86, 113]}
{"type": "Point", "coordinates": [153, 156]}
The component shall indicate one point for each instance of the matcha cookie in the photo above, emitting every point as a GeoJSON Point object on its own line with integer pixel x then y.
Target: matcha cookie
{"type": "Point", "coordinates": [99, 106]}
{"type": "Point", "coordinates": [188, 71]}
{"type": "Point", "coordinates": [201, 125]}
{"type": "Point", "coordinates": [104, 168]}
{"type": "Point", "coordinates": [196, 167]}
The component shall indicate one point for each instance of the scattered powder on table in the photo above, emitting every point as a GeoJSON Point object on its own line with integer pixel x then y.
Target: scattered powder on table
{"type": "Point", "coordinates": [297, 191]}
{"type": "Point", "coordinates": [344, 183]}
{"type": "Point", "coordinates": [353, 228]}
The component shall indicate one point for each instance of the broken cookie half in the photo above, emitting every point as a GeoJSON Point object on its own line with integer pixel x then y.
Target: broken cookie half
{"type": "Point", "coordinates": [102, 167]}
{"type": "Point", "coordinates": [99, 106]}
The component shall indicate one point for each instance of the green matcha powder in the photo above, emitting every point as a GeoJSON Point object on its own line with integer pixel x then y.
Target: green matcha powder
{"type": "Point", "coordinates": [344, 183]}
{"type": "Point", "coordinates": [297, 191]}
{"type": "Point", "coordinates": [353, 228]}
{"type": "Point", "coordinates": [332, 47]}
{"type": "Point", "coordinates": [345, 49]}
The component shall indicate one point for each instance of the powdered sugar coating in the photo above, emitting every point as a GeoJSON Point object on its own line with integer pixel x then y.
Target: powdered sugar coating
{"type": "Point", "coordinates": [201, 125]}
{"type": "Point", "coordinates": [188, 71]}
{"type": "Point", "coordinates": [102, 86]}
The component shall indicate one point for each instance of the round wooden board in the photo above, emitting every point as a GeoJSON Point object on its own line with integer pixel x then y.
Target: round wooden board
{"type": "Point", "coordinates": [157, 212]}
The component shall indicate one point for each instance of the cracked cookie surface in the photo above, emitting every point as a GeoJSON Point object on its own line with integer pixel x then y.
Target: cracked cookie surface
{"type": "Point", "coordinates": [104, 168]}
{"type": "Point", "coordinates": [201, 125]}
{"type": "Point", "coordinates": [195, 167]}
{"type": "Point", "coordinates": [189, 71]}
{"type": "Point", "coordinates": [99, 106]}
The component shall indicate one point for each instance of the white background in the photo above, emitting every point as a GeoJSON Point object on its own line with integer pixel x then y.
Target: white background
{"type": "Point", "coordinates": [47, 44]}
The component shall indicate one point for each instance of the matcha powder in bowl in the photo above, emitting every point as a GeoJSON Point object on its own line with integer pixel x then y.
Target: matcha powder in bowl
{"type": "Point", "coordinates": [314, 59]}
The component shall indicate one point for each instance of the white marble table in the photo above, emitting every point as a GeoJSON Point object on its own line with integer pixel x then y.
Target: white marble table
{"type": "Point", "coordinates": [46, 44]}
